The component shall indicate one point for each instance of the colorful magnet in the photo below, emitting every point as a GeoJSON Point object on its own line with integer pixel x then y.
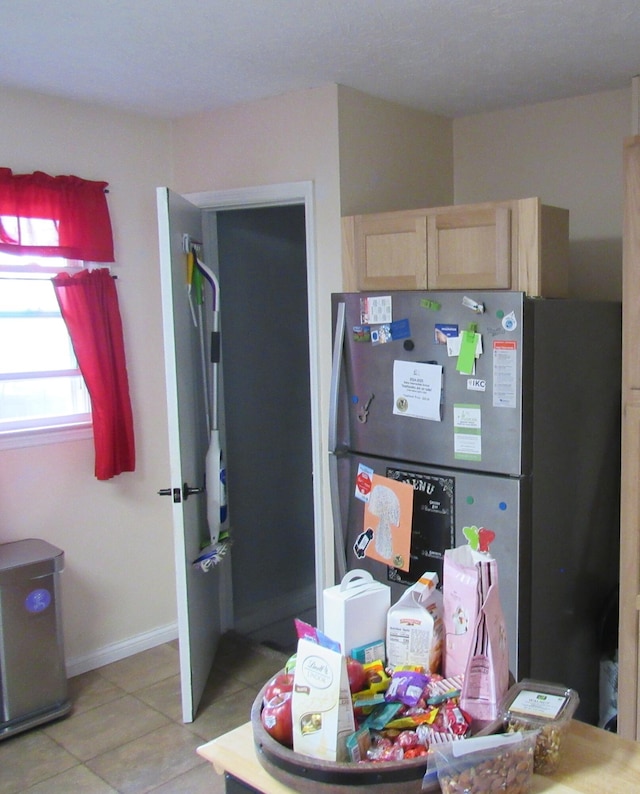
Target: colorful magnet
{"type": "Point", "coordinates": [509, 322]}
{"type": "Point", "coordinates": [476, 307]}
{"type": "Point", "coordinates": [361, 333]}
{"type": "Point", "coordinates": [485, 539]}
{"type": "Point", "coordinates": [381, 334]}
{"type": "Point", "coordinates": [471, 534]}
{"type": "Point", "coordinates": [400, 329]}
{"type": "Point", "coordinates": [363, 482]}
{"type": "Point", "coordinates": [376, 309]}
{"type": "Point", "coordinates": [476, 384]}
{"type": "Point", "coordinates": [444, 331]}
{"type": "Point", "coordinates": [433, 306]}
{"type": "Point", "coordinates": [467, 355]}
{"type": "Point", "coordinates": [479, 538]}
{"type": "Point", "coordinates": [37, 600]}
{"type": "Point", "coordinates": [362, 542]}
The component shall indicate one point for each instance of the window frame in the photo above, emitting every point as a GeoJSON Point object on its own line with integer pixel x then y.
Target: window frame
{"type": "Point", "coordinates": [49, 430]}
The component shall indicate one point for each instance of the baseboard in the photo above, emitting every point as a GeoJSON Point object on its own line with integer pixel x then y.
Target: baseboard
{"type": "Point", "coordinates": [120, 650]}
{"type": "Point", "coordinates": [289, 605]}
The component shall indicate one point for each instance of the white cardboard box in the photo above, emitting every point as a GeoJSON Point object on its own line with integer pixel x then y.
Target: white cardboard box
{"type": "Point", "coordinates": [355, 611]}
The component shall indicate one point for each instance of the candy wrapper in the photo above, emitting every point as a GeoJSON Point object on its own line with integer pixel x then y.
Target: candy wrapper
{"type": "Point", "coordinates": [406, 687]}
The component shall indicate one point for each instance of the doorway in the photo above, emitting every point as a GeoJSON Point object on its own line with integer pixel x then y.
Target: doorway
{"type": "Point", "coordinates": [267, 426]}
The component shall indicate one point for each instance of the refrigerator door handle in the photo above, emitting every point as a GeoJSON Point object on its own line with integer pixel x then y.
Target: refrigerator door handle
{"type": "Point", "coordinates": [340, 552]}
{"type": "Point", "coordinates": [336, 369]}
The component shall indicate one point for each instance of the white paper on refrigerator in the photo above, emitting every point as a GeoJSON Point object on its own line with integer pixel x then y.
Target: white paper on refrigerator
{"type": "Point", "coordinates": [417, 389]}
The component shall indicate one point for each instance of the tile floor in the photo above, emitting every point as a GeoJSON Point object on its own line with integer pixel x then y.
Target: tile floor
{"type": "Point", "coordinates": [125, 733]}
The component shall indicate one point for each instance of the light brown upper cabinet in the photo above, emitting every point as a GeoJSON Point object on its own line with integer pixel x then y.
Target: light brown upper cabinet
{"type": "Point", "coordinates": [519, 245]}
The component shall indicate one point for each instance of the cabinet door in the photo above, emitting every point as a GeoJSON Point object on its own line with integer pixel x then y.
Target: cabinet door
{"type": "Point", "coordinates": [391, 251]}
{"type": "Point", "coordinates": [469, 248]}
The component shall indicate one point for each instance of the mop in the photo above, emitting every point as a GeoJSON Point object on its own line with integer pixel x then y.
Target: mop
{"type": "Point", "coordinates": [215, 472]}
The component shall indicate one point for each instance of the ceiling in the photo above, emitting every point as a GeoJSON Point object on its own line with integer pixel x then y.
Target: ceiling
{"type": "Point", "coordinates": [170, 58]}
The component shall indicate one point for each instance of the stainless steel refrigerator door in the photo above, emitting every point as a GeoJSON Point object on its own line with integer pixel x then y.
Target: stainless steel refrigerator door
{"type": "Point", "coordinates": [446, 501]}
{"type": "Point", "coordinates": [478, 415]}
{"type": "Point", "coordinates": [575, 492]}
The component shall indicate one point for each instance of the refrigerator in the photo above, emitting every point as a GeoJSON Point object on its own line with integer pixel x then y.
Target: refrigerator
{"type": "Point", "coordinates": [502, 412]}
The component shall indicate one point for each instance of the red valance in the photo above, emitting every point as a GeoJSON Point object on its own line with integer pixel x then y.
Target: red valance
{"type": "Point", "coordinates": [76, 209]}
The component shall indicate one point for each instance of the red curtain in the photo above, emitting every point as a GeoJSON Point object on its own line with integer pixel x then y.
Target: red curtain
{"type": "Point", "coordinates": [77, 207]}
{"type": "Point", "coordinates": [89, 305]}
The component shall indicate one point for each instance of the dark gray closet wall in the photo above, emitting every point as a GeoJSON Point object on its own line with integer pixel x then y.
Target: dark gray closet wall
{"type": "Point", "coordinates": [265, 365]}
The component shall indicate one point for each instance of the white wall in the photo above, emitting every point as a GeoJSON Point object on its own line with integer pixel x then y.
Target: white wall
{"type": "Point", "coordinates": [118, 583]}
{"type": "Point", "coordinates": [567, 152]}
{"type": "Point", "coordinates": [392, 157]}
{"type": "Point", "coordinates": [289, 138]}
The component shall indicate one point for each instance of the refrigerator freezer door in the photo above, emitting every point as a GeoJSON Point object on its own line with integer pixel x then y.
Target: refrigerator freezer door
{"type": "Point", "coordinates": [445, 502]}
{"type": "Point", "coordinates": [410, 395]}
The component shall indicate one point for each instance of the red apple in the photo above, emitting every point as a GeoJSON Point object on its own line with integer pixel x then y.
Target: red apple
{"type": "Point", "coordinates": [276, 718]}
{"type": "Point", "coordinates": [357, 675]}
{"type": "Point", "coordinates": [282, 682]}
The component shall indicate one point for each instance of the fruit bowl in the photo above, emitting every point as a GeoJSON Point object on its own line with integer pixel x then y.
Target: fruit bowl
{"type": "Point", "coordinates": [305, 774]}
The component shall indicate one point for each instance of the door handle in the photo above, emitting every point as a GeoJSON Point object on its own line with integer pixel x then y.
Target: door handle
{"type": "Point", "coordinates": [188, 491]}
{"type": "Point", "coordinates": [180, 495]}
{"type": "Point", "coordinates": [175, 492]}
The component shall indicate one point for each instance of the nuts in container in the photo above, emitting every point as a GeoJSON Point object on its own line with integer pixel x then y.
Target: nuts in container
{"type": "Point", "coordinates": [547, 708]}
{"type": "Point", "coordinates": [484, 764]}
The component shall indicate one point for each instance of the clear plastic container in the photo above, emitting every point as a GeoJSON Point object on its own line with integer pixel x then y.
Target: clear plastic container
{"type": "Point", "coordinates": [545, 707]}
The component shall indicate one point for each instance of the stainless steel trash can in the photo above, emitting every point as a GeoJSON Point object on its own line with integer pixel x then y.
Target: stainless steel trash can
{"type": "Point", "coordinates": [33, 680]}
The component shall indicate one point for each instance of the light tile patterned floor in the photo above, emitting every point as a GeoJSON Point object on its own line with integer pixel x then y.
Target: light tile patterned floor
{"type": "Point", "coordinates": [125, 733]}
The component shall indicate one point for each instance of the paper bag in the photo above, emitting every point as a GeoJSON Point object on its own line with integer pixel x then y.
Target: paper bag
{"type": "Point", "coordinates": [486, 677]}
{"type": "Point", "coordinates": [414, 626]}
{"type": "Point", "coordinates": [460, 606]}
{"type": "Point", "coordinates": [321, 707]}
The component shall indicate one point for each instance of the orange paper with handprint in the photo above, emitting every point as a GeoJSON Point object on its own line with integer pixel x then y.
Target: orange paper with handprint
{"type": "Point", "coordinates": [387, 522]}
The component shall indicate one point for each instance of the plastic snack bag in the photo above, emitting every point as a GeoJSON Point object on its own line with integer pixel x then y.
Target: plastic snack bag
{"type": "Point", "coordinates": [500, 763]}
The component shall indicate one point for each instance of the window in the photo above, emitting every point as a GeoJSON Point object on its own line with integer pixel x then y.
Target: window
{"type": "Point", "coordinates": [43, 218]}
{"type": "Point", "coordinates": [41, 389]}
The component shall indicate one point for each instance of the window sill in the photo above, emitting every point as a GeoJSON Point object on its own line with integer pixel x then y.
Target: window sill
{"type": "Point", "coordinates": [14, 439]}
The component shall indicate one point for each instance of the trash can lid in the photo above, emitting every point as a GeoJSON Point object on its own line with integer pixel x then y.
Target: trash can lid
{"type": "Point", "coordinates": [26, 552]}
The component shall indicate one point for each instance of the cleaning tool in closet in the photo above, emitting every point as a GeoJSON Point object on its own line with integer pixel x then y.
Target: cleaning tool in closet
{"type": "Point", "coordinates": [191, 263]}
{"type": "Point", "coordinates": [215, 472]}
{"type": "Point", "coordinates": [213, 553]}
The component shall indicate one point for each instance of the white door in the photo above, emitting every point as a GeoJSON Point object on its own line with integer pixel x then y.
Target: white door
{"type": "Point", "coordinates": [199, 594]}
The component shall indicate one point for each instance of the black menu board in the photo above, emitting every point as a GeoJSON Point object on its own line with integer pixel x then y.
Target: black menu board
{"type": "Point", "coordinates": [432, 525]}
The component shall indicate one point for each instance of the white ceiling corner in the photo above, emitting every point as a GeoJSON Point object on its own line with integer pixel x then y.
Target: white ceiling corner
{"type": "Point", "coordinates": [170, 58]}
